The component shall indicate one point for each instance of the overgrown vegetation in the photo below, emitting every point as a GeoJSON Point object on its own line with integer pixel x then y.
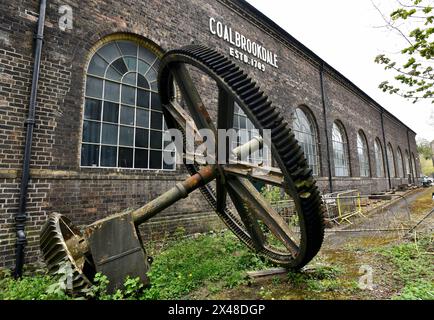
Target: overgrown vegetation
{"type": "Point", "coordinates": [414, 267]}
{"type": "Point", "coordinates": [37, 287]}
{"type": "Point", "coordinates": [217, 261]}
{"type": "Point", "coordinates": [214, 264]}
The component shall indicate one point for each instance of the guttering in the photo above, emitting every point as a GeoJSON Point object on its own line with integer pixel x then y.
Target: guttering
{"type": "Point", "coordinates": [324, 109]}
{"type": "Point", "coordinates": [21, 215]}
{"type": "Point", "coordinates": [385, 148]}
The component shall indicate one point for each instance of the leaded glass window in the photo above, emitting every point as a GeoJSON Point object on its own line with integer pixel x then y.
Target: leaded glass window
{"type": "Point", "coordinates": [407, 163]}
{"type": "Point", "coordinates": [246, 131]}
{"type": "Point", "coordinates": [363, 154]}
{"type": "Point", "coordinates": [399, 163]}
{"type": "Point", "coordinates": [379, 159]}
{"type": "Point", "coordinates": [340, 151]}
{"type": "Point", "coordinates": [391, 159]}
{"type": "Point", "coordinates": [123, 124]}
{"type": "Point", "coordinates": [305, 132]}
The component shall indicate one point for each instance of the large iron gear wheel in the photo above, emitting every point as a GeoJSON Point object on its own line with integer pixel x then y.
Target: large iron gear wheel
{"type": "Point", "coordinates": [286, 151]}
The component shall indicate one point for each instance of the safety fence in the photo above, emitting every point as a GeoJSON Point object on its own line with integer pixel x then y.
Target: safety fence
{"type": "Point", "coordinates": [341, 206]}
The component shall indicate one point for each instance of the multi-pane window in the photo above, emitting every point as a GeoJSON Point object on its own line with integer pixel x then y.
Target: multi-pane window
{"type": "Point", "coordinates": [246, 131]}
{"type": "Point", "coordinates": [391, 159]}
{"type": "Point", "coordinates": [123, 121]}
{"type": "Point", "coordinates": [340, 151]}
{"type": "Point", "coordinates": [362, 151]}
{"type": "Point", "coordinates": [399, 163]}
{"type": "Point", "coordinates": [407, 163]}
{"type": "Point", "coordinates": [305, 132]}
{"type": "Point", "coordinates": [379, 160]}
{"type": "Point", "coordinates": [413, 162]}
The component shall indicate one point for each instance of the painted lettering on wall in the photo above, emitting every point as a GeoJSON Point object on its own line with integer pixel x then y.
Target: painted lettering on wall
{"type": "Point", "coordinates": [243, 48]}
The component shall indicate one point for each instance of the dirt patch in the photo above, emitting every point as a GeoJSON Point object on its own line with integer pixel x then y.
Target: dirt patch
{"type": "Point", "coordinates": [346, 255]}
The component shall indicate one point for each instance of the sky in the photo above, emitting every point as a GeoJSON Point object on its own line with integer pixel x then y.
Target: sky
{"type": "Point", "coordinates": [348, 35]}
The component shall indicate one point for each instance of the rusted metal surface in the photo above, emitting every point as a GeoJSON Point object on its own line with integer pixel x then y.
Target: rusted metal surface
{"type": "Point", "coordinates": [180, 191]}
{"type": "Point", "coordinates": [263, 211]}
{"type": "Point", "coordinates": [265, 174]}
{"type": "Point", "coordinates": [117, 250]}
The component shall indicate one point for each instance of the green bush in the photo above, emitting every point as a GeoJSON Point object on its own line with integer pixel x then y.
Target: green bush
{"type": "Point", "coordinates": [217, 261]}
{"type": "Point", "coordinates": [36, 287]}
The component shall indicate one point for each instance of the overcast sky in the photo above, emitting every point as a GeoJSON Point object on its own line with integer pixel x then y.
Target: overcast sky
{"type": "Point", "coordinates": [346, 35]}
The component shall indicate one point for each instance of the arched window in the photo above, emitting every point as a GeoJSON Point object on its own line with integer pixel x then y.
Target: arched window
{"type": "Point", "coordinates": [246, 131]}
{"type": "Point", "coordinates": [363, 153]}
{"type": "Point", "coordinates": [379, 159]}
{"type": "Point", "coordinates": [340, 151]}
{"type": "Point", "coordinates": [123, 124]}
{"type": "Point", "coordinates": [399, 163]}
{"type": "Point", "coordinates": [413, 163]}
{"type": "Point", "coordinates": [391, 159]}
{"type": "Point", "coordinates": [407, 164]}
{"type": "Point", "coordinates": [305, 132]}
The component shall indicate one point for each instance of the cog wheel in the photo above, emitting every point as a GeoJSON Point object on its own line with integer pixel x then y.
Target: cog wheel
{"type": "Point", "coordinates": [235, 86]}
{"type": "Point", "coordinates": [60, 245]}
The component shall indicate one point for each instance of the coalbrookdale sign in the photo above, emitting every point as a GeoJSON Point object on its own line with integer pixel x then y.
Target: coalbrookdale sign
{"type": "Point", "coordinates": [243, 48]}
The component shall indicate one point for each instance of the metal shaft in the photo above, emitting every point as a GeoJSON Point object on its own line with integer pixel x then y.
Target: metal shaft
{"type": "Point", "coordinates": [180, 191]}
{"type": "Point", "coordinates": [183, 189]}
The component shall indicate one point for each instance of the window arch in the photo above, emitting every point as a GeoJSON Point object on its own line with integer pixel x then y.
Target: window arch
{"type": "Point", "coordinates": [391, 161]}
{"type": "Point", "coordinates": [379, 159]}
{"type": "Point", "coordinates": [399, 163]}
{"type": "Point", "coordinates": [305, 132]}
{"type": "Point", "coordinates": [363, 153]}
{"type": "Point", "coordinates": [340, 150]}
{"type": "Point", "coordinates": [123, 125]}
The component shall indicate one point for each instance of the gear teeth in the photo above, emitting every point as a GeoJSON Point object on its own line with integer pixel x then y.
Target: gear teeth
{"type": "Point", "coordinates": [54, 251]}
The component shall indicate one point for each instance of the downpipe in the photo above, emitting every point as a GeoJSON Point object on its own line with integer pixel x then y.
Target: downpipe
{"type": "Point", "coordinates": [21, 216]}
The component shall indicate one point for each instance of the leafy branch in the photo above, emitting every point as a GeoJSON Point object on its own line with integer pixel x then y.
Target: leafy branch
{"type": "Point", "coordinates": [414, 78]}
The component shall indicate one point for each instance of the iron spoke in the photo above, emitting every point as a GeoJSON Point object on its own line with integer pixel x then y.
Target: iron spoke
{"type": "Point", "coordinates": [192, 98]}
{"type": "Point", "coordinates": [263, 211]}
{"type": "Point", "coordinates": [268, 175]}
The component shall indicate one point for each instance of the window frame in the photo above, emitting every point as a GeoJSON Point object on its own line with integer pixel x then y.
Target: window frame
{"type": "Point", "coordinates": [313, 134]}
{"type": "Point", "coordinates": [400, 163]}
{"type": "Point", "coordinates": [141, 49]}
{"type": "Point", "coordinates": [345, 149]}
{"type": "Point", "coordinates": [378, 145]}
{"type": "Point", "coordinates": [365, 148]}
{"type": "Point", "coordinates": [391, 160]}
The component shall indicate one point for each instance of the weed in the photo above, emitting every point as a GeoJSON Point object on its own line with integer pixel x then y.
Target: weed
{"type": "Point", "coordinates": [412, 264]}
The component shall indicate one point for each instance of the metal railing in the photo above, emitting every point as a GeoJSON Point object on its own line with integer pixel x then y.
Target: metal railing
{"type": "Point", "coordinates": [340, 206]}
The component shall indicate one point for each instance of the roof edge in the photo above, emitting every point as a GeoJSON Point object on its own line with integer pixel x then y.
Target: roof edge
{"type": "Point", "coordinates": [262, 18]}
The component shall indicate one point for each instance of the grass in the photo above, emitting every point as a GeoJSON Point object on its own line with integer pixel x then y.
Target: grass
{"type": "Point", "coordinates": [414, 268]}
{"type": "Point", "coordinates": [217, 261]}
{"type": "Point", "coordinates": [215, 265]}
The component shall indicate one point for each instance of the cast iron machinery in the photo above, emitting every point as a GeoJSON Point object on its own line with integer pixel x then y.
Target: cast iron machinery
{"type": "Point", "coordinates": [113, 245]}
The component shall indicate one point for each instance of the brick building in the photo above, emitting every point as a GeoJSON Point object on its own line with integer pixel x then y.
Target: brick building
{"type": "Point", "coordinates": [97, 141]}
